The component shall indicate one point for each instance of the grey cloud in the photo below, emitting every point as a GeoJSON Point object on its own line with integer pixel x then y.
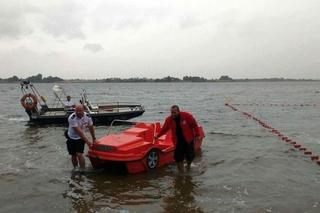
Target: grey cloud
{"type": "Point", "coordinates": [65, 20]}
{"type": "Point", "coordinates": [263, 38]}
{"type": "Point", "coordinates": [122, 15]}
{"type": "Point", "coordinates": [13, 28]}
{"type": "Point", "coordinates": [189, 21]}
{"type": "Point", "coordinates": [117, 17]}
{"type": "Point", "coordinates": [20, 18]}
{"type": "Point", "coordinates": [13, 20]}
{"type": "Point", "coordinates": [93, 47]}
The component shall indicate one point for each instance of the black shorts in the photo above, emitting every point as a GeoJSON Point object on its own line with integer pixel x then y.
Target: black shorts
{"type": "Point", "coordinates": [184, 151]}
{"type": "Point", "coordinates": [75, 146]}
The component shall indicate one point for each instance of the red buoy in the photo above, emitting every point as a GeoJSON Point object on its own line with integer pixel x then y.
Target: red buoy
{"type": "Point", "coordinates": [314, 157]}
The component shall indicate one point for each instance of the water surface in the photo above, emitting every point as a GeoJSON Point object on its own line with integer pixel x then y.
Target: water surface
{"type": "Point", "coordinates": [242, 168]}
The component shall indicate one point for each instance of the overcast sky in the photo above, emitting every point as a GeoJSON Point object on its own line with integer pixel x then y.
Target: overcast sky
{"type": "Point", "coordinates": [145, 38]}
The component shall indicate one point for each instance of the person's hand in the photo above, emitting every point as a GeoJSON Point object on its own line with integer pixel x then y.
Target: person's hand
{"type": "Point", "coordinates": [94, 141]}
{"type": "Point", "coordinates": [89, 143]}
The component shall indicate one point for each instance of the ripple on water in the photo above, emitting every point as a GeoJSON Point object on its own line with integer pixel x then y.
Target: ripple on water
{"type": "Point", "coordinates": [9, 172]}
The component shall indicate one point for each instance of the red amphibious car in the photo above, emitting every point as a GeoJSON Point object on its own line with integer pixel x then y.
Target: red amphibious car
{"type": "Point", "coordinates": [135, 149]}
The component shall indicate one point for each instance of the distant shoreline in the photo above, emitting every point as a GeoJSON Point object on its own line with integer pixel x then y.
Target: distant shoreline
{"type": "Point", "coordinates": [94, 81]}
{"type": "Point", "coordinates": [195, 79]}
{"type": "Point", "coordinates": [209, 81]}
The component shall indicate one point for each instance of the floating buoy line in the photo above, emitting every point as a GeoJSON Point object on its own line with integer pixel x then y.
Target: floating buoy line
{"type": "Point", "coordinates": [281, 136]}
{"type": "Point", "coordinates": [277, 105]}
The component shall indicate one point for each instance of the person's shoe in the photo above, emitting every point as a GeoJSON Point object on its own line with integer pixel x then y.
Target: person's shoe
{"type": "Point", "coordinates": [82, 170]}
{"type": "Point", "coordinates": [188, 166]}
{"type": "Point", "coordinates": [75, 169]}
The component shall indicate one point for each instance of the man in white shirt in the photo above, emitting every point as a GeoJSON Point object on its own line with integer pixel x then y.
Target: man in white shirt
{"type": "Point", "coordinates": [68, 104]}
{"type": "Point", "coordinates": [79, 121]}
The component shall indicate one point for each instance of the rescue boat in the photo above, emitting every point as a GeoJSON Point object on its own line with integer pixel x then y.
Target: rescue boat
{"type": "Point", "coordinates": [40, 112]}
{"type": "Point", "coordinates": [134, 150]}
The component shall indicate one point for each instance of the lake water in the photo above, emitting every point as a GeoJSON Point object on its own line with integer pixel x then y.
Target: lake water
{"type": "Point", "coordinates": [242, 167]}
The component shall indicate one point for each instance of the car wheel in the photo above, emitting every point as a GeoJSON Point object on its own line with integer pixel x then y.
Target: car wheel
{"type": "Point", "coordinates": [152, 159]}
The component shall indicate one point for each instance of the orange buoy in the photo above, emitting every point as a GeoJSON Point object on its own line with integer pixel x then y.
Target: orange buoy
{"type": "Point", "coordinates": [29, 101]}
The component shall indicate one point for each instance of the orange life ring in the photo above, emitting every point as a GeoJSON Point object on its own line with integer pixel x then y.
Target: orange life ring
{"type": "Point", "coordinates": [29, 101]}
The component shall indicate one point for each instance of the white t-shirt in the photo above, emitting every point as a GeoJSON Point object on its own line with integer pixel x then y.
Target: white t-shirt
{"type": "Point", "coordinates": [83, 123]}
{"type": "Point", "coordinates": [68, 103]}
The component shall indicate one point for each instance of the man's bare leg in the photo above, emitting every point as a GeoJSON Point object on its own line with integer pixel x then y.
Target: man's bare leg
{"type": "Point", "coordinates": [81, 160]}
{"type": "Point", "coordinates": [188, 165]}
{"type": "Point", "coordinates": [74, 160]}
{"type": "Point", "coordinates": [180, 166]}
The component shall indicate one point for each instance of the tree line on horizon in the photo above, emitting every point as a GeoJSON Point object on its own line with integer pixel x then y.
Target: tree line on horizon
{"type": "Point", "coordinates": [35, 78]}
{"type": "Point", "coordinates": [53, 79]}
{"type": "Point", "coordinates": [50, 79]}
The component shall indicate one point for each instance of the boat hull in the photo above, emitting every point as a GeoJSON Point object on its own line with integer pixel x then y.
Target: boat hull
{"type": "Point", "coordinates": [98, 119]}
